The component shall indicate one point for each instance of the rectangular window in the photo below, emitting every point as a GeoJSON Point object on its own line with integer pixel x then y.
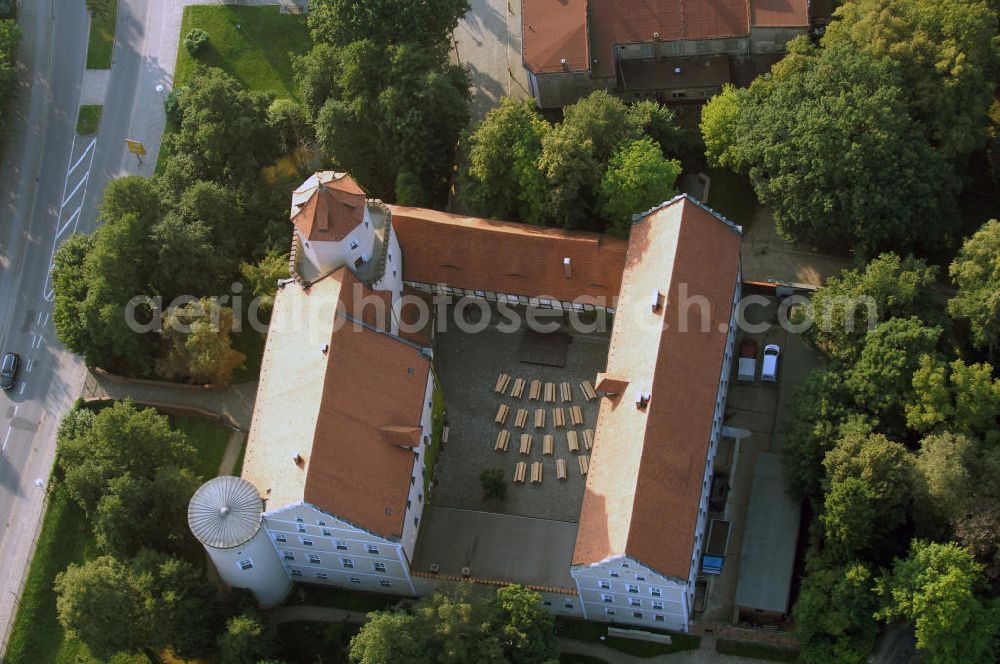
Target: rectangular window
{"type": "Point", "coordinates": [625, 565]}
{"type": "Point", "coordinates": [306, 541]}
{"type": "Point", "coordinates": [314, 559]}
{"type": "Point", "coordinates": [341, 545]}
{"type": "Point", "coordinates": [372, 549]}
{"type": "Point", "coordinates": [416, 521]}
{"type": "Point", "coordinates": [606, 598]}
{"type": "Point", "coordinates": [640, 577]}
{"type": "Point", "coordinates": [385, 583]}
{"type": "Point", "coordinates": [657, 605]}
{"type": "Point", "coordinates": [246, 564]}
{"type": "Point", "coordinates": [609, 611]}
{"type": "Point", "coordinates": [321, 523]}
{"type": "Point", "coordinates": [647, 50]}
{"type": "Point", "coordinates": [658, 618]}
{"type": "Point", "coordinates": [701, 46]}
{"type": "Point", "coordinates": [347, 562]}
{"type": "Point", "coordinates": [322, 576]}
{"type": "Point", "coordinates": [355, 579]}
{"type": "Point", "coordinates": [296, 572]}
{"type": "Point", "coordinates": [420, 497]}
{"type": "Point", "coordinates": [568, 604]}
{"type": "Point", "coordinates": [379, 567]}
{"type": "Point", "coordinates": [289, 555]}
{"type": "Point", "coordinates": [637, 615]}
{"type": "Point", "coordinates": [354, 244]}
{"type": "Point", "coordinates": [655, 592]}
{"type": "Point", "coordinates": [299, 519]}
{"type": "Point", "coordinates": [635, 601]}
{"type": "Point", "coordinates": [301, 528]}
{"type": "Point", "coordinates": [280, 538]}
{"type": "Point", "coordinates": [631, 587]}
{"type": "Point", "coordinates": [327, 532]}
{"type": "Point", "coordinates": [676, 48]}
{"type": "Point", "coordinates": [605, 585]}
{"type": "Point", "coordinates": [614, 574]}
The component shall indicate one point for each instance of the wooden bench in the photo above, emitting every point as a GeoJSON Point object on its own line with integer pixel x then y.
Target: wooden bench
{"type": "Point", "coordinates": [588, 390]}
{"type": "Point", "coordinates": [522, 418]}
{"type": "Point", "coordinates": [536, 472]}
{"type": "Point", "coordinates": [588, 438]}
{"type": "Point", "coordinates": [535, 391]}
{"type": "Point", "coordinates": [572, 442]}
{"type": "Point", "coordinates": [539, 418]}
{"type": "Point", "coordinates": [503, 438]}
{"type": "Point", "coordinates": [444, 434]}
{"type": "Point", "coordinates": [548, 444]}
{"type": "Point", "coordinates": [518, 390]}
{"type": "Point", "coordinates": [525, 443]}
{"type": "Point", "coordinates": [576, 415]}
{"type": "Point", "coordinates": [584, 461]}
{"type": "Point", "coordinates": [550, 392]}
{"type": "Point", "coordinates": [561, 469]}
{"type": "Point", "coordinates": [501, 384]}
{"type": "Point", "coordinates": [502, 414]}
{"type": "Point", "coordinates": [565, 392]}
{"type": "Point", "coordinates": [559, 417]}
{"type": "Point", "coordinates": [519, 471]}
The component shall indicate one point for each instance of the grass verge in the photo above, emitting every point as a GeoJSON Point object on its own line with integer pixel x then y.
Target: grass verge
{"type": "Point", "coordinates": [306, 594]}
{"type": "Point", "coordinates": [254, 45]}
{"type": "Point", "coordinates": [65, 538]}
{"type": "Point", "coordinates": [101, 43]}
{"type": "Point", "coordinates": [89, 119]}
{"type": "Point", "coordinates": [209, 439]}
{"type": "Point", "coordinates": [756, 651]}
{"type": "Point", "coordinates": [592, 632]}
{"type": "Point", "coordinates": [250, 342]}
{"type": "Point", "coordinates": [437, 426]}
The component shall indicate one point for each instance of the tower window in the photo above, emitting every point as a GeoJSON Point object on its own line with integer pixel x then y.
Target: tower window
{"type": "Point", "coordinates": [354, 245]}
{"type": "Point", "coordinates": [246, 564]}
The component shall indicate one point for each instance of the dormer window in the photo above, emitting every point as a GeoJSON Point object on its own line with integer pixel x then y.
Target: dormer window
{"type": "Point", "coordinates": [354, 245]}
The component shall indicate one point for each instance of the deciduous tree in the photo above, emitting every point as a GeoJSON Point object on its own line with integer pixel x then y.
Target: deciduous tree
{"type": "Point", "coordinates": [834, 613]}
{"type": "Point", "coordinates": [638, 177]}
{"type": "Point", "coordinates": [943, 488]}
{"type": "Point", "coordinates": [976, 273]}
{"type": "Point", "coordinates": [199, 347]}
{"type": "Point", "coordinates": [247, 639]}
{"type": "Point", "coordinates": [98, 606]}
{"type": "Point", "coordinates": [428, 23]}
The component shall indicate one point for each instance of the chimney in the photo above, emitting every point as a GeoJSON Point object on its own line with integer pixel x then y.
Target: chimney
{"type": "Point", "coordinates": [567, 267]}
{"type": "Point", "coordinates": [641, 400]}
{"type": "Point", "coordinates": [562, 61]}
{"type": "Point", "coordinates": [325, 348]}
{"type": "Point", "coordinates": [299, 461]}
{"type": "Point", "coordinates": [657, 300]}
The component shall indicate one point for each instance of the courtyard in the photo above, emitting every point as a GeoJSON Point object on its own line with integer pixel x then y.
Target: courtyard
{"type": "Point", "coordinates": [468, 364]}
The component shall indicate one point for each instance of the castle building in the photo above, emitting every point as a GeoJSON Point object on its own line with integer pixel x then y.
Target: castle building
{"type": "Point", "coordinates": [337, 453]}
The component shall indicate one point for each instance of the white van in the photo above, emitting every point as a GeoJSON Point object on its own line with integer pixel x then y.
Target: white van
{"type": "Point", "coordinates": [769, 368]}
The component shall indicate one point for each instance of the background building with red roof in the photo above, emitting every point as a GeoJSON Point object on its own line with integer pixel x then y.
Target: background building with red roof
{"type": "Point", "coordinates": [663, 49]}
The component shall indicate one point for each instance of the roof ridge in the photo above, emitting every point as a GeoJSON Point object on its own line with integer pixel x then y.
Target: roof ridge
{"type": "Point", "coordinates": [372, 328]}
{"type": "Point", "coordinates": [736, 228]}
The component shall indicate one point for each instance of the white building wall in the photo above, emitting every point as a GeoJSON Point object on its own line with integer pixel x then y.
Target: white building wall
{"type": "Point", "coordinates": [316, 547]}
{"type": "Point", "coordinates": [392, 278]}
{"type": "Point", "coordinates": [253, 565]}
{"type": "Point", "coordinates": [327, 256]}
{"type": "Point", "coordinates": [713, 448]}
{"type": "Point", "coordinates": [623, 590]}
{"type": "Point", "coordinates": [416, 499]}
{"type": "Point", "coordinates": [772, 40]}
{"type": "Point", "coordinates": [682, 47]}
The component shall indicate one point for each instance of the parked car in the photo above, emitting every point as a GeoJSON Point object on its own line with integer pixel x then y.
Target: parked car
{"type": "Point", "coordinates": [769, 369]}
{"type": "Point", "coordinates": [8, 370]}
{"type": "Point", "coordinates": [746, 370]}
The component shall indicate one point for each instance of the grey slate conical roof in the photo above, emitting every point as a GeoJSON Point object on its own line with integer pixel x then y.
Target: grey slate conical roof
{"type": "Point", "coordinates": [225, 512]}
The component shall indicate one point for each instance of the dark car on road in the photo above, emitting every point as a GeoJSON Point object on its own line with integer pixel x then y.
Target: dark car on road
{"type": "Point", "coordinates": [8, 370]}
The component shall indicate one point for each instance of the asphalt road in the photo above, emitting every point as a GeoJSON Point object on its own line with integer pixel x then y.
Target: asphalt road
{"type": "Point", "coordinates": [50, 185]}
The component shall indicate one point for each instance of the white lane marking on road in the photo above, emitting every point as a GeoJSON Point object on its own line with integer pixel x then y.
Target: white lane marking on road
{"type": "Point", "coordinates": [46, 321]}
{"type": "Point", "coordinates": [72, 218]}
{"type": "Point", "coordinates": [39, 317]}
{"type": "Point", "coordinates": [82, 156]}
{"type": "Point", "coordinates": [23, 385]}
{"type": "Point", "coordinates": [76, 188]}
{"type": "Point", "coordinates": [6, 438]}
{"type": "Point", "coordinates": [37, 343]}
{"type": "Point", "coordinates": [31, 364]}
{"type": "Point", "coordinates": [33, 338]}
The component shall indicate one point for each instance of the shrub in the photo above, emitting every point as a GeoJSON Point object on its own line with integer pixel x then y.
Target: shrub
{"type": "Point", "coordinates": [195, 40]}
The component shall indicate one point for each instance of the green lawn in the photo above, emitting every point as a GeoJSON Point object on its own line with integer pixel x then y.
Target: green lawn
{"type": "Point", "coordinates": [102, 40]}
{"type": "Point", "coordinates": [580, 630]}
{"type": "Point", "coordinates": [89, 119]}
{"type": "Point", "coordinates": [349, 600]}
{"type": "Point", "coordinates": [37, 636]}
{"type": "Point", "coordinates": [756, 651]}
{"type": "Point", "coordinates": [209, 439]}
{"type": "Point", "coordinates": [251, 343]}
{"type": "Point", "coordinates": [310, 642]}
{"type": "Point", "coordinates": [437, 426]}
{"type": "Point", "coordinates": [732, 196]}
{"type": "Point", "coordinates": [258, 53]}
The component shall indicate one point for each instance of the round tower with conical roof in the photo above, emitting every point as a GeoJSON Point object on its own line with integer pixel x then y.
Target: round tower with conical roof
{"type": "Point", "coordinates": [226, 515]}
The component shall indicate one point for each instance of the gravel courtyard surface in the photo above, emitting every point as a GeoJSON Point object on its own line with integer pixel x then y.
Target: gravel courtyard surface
{"type": "Point", "coordinates": [467, 365]}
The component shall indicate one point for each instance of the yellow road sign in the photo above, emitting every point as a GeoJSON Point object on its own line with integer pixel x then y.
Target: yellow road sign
{"type": "Point", "coordinates": [135, 147]}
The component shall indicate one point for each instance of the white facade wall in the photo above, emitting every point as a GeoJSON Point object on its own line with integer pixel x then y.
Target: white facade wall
{"type": "Point", "coordinates": [772, 40]}
{"type": "Point", "coordinates": [683, 47]}
{"type": "Point", "coordinates": [416, 499]}
{"type": "Point", "coordinates": [316, 547]}
{"type": "Point", "coordinates": [392, 278]}
{"type": "Point", "coordinates": [253, 565]}
{"type": "Point", "coordinates": [327, 256]}
{"type": "Point", "coordinates": [623, 590]}
{"type": "Point", "coordinates": [713, 448]}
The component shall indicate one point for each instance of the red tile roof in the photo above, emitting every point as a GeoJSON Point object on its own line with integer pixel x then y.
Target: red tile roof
{"type": "Point", "coordinates": [635, 21]}
{"type": "Point", "coordinates": [779, 13]}
{"type": "Point", "coordinates": [507, 257]}
{"type": "Point", "coordinates": [553, 30]}
{"type": "Point", "coordinates": [333, 210]}
{"type": "Point", "coordinates": [373, 398]}
{"type": "Point", "coordinates": [649, 463]}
